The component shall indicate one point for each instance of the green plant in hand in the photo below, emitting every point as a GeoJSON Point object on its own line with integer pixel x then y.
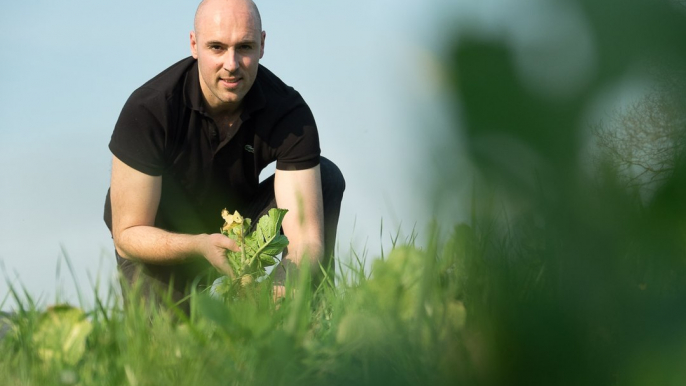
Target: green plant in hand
{"type": "Point", "coordinates": [258, 249]}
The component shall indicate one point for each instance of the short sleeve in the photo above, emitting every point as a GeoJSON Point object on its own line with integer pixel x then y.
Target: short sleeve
{"type": "Point", "coordinates": [139, 135]}
{"type": "Point", "coordinates": [296, 140]}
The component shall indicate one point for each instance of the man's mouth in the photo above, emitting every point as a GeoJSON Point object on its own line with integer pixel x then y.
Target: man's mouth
{"type": "Point", "coordinates": [230, 82]}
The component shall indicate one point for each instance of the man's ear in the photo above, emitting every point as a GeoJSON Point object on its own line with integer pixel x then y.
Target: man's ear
{"type": "Point", "coordinates": [194, 45]}
{"type": "Point", "coordinates": [264, 35]}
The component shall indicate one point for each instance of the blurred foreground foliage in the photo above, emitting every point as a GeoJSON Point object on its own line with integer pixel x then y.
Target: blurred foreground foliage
{"type": "Point", "coordinates": [564, 275]}
{"type": "Point", "coordinates": [642, 145]}
{"type": "Point", "coordinates": [402, 326]}
{"type": "Point", "coordinates": [576, 279]}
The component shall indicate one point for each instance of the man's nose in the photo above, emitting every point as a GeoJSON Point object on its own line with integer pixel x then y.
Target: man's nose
{"type": "Point", "coordinates": [231, 61]}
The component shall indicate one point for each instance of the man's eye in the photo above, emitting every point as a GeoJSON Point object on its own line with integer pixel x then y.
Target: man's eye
{"type": "Point", "coordinates": [246, 47]}
{"type": "Point", "coordinates": [215, 48]}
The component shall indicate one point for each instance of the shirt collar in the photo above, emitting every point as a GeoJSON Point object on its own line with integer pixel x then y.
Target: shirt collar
{"type": "Point", "coordinates": [254, 100]}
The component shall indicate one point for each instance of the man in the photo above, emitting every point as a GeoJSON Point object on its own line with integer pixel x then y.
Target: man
{"type": "Point", "coordinates": [193, 140]}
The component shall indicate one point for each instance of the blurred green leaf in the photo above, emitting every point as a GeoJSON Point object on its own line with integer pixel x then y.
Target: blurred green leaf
{"type": "Point", "coordinates": [61, 334]}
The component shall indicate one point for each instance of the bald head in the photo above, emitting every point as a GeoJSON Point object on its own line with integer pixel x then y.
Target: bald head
{"type": "Point", "coordinates": [228, 43]}
{"type": "Point", "coordinates": [208, 8]}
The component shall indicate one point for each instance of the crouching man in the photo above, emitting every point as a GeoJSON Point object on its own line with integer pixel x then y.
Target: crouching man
{"type": "Point", "coordinates": [194, 139]}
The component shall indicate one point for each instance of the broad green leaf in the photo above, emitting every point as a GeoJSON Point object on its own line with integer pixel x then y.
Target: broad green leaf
{"type": "Point", "coordinates": [61, 334]}
{"type": "Point", "coordinates": [268, 236]}
{"type": "Point", "coordinates": [220, 287]}
{"type": "Point", "coordinates": [269, 226]}
{"type": "Point", "coordinates": [266, 260]}
{"type": "Point", "coordinates": [276, 246]}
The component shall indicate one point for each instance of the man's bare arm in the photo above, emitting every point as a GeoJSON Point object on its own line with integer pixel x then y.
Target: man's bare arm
{"type": "Point", "coordinates": [135, 197]}
{"type": "Point", "coordinates": [300, 192]}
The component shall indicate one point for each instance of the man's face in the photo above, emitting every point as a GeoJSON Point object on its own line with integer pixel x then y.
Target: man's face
{"type": "Point", "coordinates": [228, 45]}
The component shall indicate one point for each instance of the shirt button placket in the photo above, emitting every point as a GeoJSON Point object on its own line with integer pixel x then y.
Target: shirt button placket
{"type": "Point", "coordinates": [213, 133]}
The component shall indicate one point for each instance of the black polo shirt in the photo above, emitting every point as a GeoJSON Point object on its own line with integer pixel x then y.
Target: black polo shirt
{"type": "Point", "coordinates": [163, 130]}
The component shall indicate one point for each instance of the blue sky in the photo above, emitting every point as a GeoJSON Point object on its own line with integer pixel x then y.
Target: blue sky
{"type": "Point", "coordinates": [368, 70]}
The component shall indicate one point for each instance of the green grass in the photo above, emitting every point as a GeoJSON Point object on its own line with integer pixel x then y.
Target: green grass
{"type": "Point", "coordinates": [399, 326]}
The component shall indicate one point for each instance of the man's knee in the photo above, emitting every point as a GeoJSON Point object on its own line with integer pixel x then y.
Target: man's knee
{"type": "Point", "coordinates": [333, 182]}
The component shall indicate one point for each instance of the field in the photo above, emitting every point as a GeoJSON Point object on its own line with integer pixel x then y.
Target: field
{"type": "Point", "coordinates": [570, 271]}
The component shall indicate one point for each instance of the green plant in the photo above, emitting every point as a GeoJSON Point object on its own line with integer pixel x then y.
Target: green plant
{"type": "Point", "coordinates": [258, 249]}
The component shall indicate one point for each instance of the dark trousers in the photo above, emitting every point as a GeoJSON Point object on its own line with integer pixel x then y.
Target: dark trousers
{"type": "Point", "coordinates": [154, 281]}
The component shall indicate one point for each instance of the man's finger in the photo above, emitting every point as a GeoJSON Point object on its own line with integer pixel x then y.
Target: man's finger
{"type": "Point", "coordinates": [226, 243]}
{"type": "Point", "coordinates": [226, 269]}
{"type": "Point", "coordinates": [231, 245]}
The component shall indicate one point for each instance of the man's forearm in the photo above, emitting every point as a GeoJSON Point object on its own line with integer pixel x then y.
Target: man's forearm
{"type": "Point", "coordinates": [156, 246]}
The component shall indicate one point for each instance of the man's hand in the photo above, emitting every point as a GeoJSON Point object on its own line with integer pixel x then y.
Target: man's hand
{"type": "Point", "coordinates": [213, 247]}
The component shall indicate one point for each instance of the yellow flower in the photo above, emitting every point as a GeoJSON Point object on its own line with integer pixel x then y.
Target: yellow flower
{"type": "Point", "coordinates": [232, 220]}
